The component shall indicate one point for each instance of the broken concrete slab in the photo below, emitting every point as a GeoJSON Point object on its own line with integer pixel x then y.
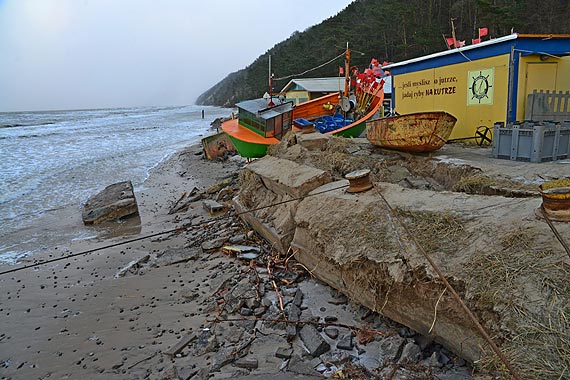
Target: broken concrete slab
{"type": "Point", "coordinates": [212, 206]}
{"type": "Point", "coordinates": [345, 343]}
{"type": "Point", "coordinates": [278, 238]}
{"type": "Point", "coordinates": [312, 141]}
{"type": "Point", "coordinates": [368, 242]}
{"type": "Point", "coordinates": [286, 177]}
{"type": "Point", "coordinates": [249, 363]}
{"type": "Point", "coordinates": [173, 256]}
{"type": "Point", "coordinates": [313, 341]}
{"type": "Point", "coordinates": [213, 244]}
{"type": "Point", "coordinates": [275, 184]}
{"type": "Point", "coordinates": [114, 202]}
{"type": "Point", "coordinates": [284, 352]}
{"type": "Point", "coordinates": [334, 247]}
{"type": "Point", "coordinates": [371, 257]}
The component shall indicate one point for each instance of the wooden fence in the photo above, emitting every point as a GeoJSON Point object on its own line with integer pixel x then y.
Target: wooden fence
{"type": "Point", "coordinates": [546, 105]}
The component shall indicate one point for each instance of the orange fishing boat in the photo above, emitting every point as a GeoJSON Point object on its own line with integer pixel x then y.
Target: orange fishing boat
{"type": "Point", "coordinates": [415, 132]}
{"type": "Point", "coordinates": [263, 122]}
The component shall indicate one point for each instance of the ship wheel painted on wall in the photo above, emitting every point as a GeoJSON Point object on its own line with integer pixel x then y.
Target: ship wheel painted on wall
{"type": "Point", "coordinates": [480, 85]}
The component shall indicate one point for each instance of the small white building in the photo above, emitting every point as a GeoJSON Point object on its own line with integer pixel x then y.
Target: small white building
{"type": "Point", "coordinates": [304, 89]}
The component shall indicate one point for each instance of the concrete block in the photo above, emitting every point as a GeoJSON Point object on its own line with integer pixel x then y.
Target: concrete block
{"type": "Point", "coordinates": [286, 177]}
{"type": "Point", "coordinates": [313, 341]}
{"type": "Point", "coordinates": [313, 141]}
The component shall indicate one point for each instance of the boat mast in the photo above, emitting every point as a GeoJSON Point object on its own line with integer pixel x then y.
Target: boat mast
{"type": "Point", "coordinates": [346, 68]}
{"type": "Point", "coordinates": [270, 104]}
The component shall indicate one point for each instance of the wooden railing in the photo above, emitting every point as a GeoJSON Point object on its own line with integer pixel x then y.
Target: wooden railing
{"type": "Point", "coordinates": [546, 105]}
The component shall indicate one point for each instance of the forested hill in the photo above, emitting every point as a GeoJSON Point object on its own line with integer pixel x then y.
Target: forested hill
{"type": "Point", "coordinates": [388, 30]}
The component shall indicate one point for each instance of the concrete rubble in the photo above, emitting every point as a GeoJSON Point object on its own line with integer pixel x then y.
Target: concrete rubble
{"type": "Point", "coordinates": [112, 203]}
{"type": "Point", "coordinates": [365, 245]}
{"type": "Point", "coordinates": [319, 283]}
{"type": "Point", "coordinates": [266, 317]}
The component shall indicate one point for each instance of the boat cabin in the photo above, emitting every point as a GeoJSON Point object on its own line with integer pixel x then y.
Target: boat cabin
{"type": "Point", "coordinates": [264, 119]}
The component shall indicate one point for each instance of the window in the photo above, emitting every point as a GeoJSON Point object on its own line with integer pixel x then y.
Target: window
{"type": "Point", "coordinates": [270, 128]}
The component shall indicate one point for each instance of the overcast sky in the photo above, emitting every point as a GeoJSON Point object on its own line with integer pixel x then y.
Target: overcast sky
{"type": "Point", "coordinates": [69, 54]}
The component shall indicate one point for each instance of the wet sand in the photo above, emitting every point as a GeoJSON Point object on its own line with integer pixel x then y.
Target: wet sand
{"type": "Point", "coordinates": [78, 319]}
{"type": "Point", "coordinates": [73, 319]}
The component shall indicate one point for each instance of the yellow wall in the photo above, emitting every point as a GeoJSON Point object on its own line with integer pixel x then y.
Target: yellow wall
{"type": "Point", "coordinates": [550, 73]}
{"type": "Point", "coordinates": [298, 96]}
{"type": "Point", "coordinates": [449, 88]}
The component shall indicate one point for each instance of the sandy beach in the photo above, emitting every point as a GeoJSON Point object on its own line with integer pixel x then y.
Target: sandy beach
{"type": "Point", "coordinates": [74, 319]}
{"type": "Point", "coordinates": [99, 316]}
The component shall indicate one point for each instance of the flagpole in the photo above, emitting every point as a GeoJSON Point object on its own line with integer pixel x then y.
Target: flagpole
{"type": "Point", "coordinates": [453, 34]}
{"type": "Point", "coordinates": [445, 41]}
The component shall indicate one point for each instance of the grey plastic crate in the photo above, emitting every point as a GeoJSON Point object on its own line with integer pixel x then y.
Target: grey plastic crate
{"type": "Point", "coordinates": [532, 141]}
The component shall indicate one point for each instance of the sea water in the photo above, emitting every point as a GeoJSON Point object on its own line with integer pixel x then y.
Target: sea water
{"type": "Point", "coordinates": [51, 161]}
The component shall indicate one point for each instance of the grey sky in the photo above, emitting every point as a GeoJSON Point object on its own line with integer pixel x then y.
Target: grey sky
{"type": "Point", "coordinates": [69, 54]}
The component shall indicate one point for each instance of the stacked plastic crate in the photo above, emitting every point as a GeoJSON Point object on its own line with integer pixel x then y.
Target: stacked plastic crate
{"type": "Point", "coordinates": [533, 141]}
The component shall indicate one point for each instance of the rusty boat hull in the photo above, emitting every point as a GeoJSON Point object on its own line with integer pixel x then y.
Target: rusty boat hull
{"type": "Point", "coordinates": [415, 132]}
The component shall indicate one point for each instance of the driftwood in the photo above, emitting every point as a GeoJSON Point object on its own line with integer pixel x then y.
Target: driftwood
{"type": "Point", "coordinates": [184, 201]}
{"type": "Point", "coordinates": [178, 347]}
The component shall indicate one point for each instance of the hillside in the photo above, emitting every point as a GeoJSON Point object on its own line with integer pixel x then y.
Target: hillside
{"type": "Point", "coordinates": [390, 30]}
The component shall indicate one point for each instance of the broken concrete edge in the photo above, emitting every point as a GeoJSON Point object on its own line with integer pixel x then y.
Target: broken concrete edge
{"type": "Point", "coordinates": [275, 174]}
{"type": "Point", "coordinates": [267, 232]}
{"type": "Point", "coordinates": [471, 348]}
{"type": "Point", "coordinates": [402, 297]}
{"type": "Point", "coordinates": [448, 331]}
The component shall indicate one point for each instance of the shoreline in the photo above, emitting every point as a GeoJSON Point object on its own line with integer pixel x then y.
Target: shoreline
{"type": "Point", "coordinates": [61, 226]}
{"type": "Point", "coordinates": [59, 315]}
{"type": "Point", "coordinates": [171, 307]}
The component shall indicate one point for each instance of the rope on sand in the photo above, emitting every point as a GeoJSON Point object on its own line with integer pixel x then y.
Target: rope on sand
{"type": "Point", "coordinates": [180, 229]}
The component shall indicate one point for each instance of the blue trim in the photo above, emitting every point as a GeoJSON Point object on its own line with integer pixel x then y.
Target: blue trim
{"type": "Point", "coordinates": [514, 96]}
{"type": "Point", "coordinates": [392, 95]}
{"type": "Point", "coordinates": [523, 46]}
{"type": "Point", "coordinates": [452, 59]}
{"type": "Point", "coordinates": [554, 46]}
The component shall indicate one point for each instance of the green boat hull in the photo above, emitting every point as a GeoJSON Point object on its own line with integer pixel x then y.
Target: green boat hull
{"type": "Point", "coordinates": [355, 131]}
{"type": "Point", "coordinates": [249, 150]}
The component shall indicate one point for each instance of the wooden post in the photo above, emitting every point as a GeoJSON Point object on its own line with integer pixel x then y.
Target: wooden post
{"type": "Point", "coordinates": [346, 69]}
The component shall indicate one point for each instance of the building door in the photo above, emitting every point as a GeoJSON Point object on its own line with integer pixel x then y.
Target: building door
{"type": "Point", "coordinates": [541, 76]}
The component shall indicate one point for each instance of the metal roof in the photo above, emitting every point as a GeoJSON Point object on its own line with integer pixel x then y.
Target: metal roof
{"type": "Point", "coordinates": [317, 84]}
{"type": "Point", "coordinates": [536, 43]}
{"type": "Point", "coordinates": [260, 108]}
{"type": "Point", "coordinates": [329, 84]}
{"type": "Point", "coordinates": [453, 51]}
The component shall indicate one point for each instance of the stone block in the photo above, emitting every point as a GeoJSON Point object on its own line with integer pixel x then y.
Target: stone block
{"type": "Point", "coordinates": [114, 202]}
{"type": "Point", "coordinates": [313, 141]}
{"type": "Point", "coordinates": [286, 177]}
{"type": "Point", "coordinates": [212, 206]}
{"type": "Point", "coordinates": [313, 341]}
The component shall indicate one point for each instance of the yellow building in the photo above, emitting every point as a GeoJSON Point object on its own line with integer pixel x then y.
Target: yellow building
{"type": "Point", "coordinates": [484, 83]}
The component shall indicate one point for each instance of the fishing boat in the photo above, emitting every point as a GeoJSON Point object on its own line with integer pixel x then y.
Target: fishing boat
{"type": "Point", "coordinates": [263, 122]}
{"type": "Point", "coordinates": [414, 132]}
{"type": "Point", "coordinates": [350, 117]}
{"type": "Point", "coordinates": [260, 123]}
